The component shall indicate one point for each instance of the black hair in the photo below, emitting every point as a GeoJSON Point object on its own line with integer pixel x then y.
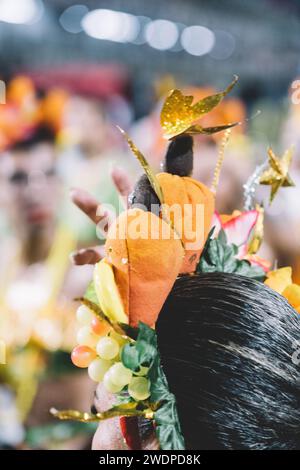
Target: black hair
{"type": "Point", "coordinates": [179, 156]}
{"type": "Point", "coordinates": [226, 345]}
{"type": "Point", "coordinates": [41, 134]}
{"type": "Point", "coordinates": [144, 194]}
{"type": "Point", "coordinates": [178, 161]}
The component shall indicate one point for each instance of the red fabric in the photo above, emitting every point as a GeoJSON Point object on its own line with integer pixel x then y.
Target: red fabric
{"type": "Point", "coordinates": [98, 81]}
{"type": "Point", "coordinates": [130, 431]}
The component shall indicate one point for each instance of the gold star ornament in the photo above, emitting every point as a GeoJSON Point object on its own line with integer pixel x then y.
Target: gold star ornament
{"type": "Point", "coordinates": [179, 114]}
{"type": "Point", "coordinates": [277, 175]}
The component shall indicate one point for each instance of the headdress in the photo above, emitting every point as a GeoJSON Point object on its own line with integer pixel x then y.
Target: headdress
{"type": "Point", "coordinates": [145, 253]}
{"type": "Point", "coordinates": [25, 111]}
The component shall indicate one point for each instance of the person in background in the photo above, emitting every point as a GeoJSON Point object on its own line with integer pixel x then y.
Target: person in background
{"type": "Point", "coordinates": [90, 144]}
{"type": "Point", "coordinates": [37, 281]}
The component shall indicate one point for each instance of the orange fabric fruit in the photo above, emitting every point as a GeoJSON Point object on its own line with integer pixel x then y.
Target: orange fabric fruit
{"type": "Point", "coordinates": [146, 256]}
{"type": "Point", "coordinates": [185, 190]}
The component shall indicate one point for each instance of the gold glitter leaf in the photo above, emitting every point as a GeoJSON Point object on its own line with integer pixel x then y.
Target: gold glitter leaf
{"type": "Point", "coordinates": [258, 233]}
{"type": "Point", "coordinates": [126, 409]}
{"type": "Point", "coordinates": [209, 130]}
{"type": "Point", "coordinates": [145, 165]}
{"type": "Point", "coordinates": [178, 113]}
{"type": "Point", "coordinates": [277, 175]}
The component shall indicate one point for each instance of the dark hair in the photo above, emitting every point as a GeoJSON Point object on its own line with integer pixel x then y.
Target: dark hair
{"type": "Point", "coordinates": [178, 161]}
{"type": "Point", "coordinates": [179, 157]}
{"type": "Point", "coordinates": [226, 345]}
{"type": "Point", "coordinates": [41, 134]}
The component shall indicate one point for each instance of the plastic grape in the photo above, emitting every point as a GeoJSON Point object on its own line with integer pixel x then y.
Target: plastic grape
{"type": "Point", "coordinates": [87, 337]}
{"type": "Point", "coordinates": [82, 356]}
{"type": "Point", "coordinates": [107, 348]}
{"type": "Point", "coordinates": [100, 328]}
{"type": "Point", "coordinates": [120, 375]}
{"type": "Point", "coordinates": [84, 315]}
{"type": "Point", "coordinates": [110, 385]}
{"type": "Point", "coordinates": [138, 388]}
{"type": "Point", "coordinates": [97, 369]}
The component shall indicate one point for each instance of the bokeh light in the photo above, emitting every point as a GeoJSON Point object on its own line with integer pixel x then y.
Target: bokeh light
{"type": "Point", "coordinates": [111, 25]}
{"type": "Point", "coordinates": [161, 34]}
{"type": "Point", "coordinates": [21, 12]}
{"type": "Point", "coordinates": [197, 40]}
{"type": "Point", "coordinates": [71, 18]}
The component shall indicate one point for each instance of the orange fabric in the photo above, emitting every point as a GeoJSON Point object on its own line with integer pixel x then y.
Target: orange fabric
{"type": "Point", "coordinates": [186, 190]}
{"type": "Point", "coordinates": [145, 264]}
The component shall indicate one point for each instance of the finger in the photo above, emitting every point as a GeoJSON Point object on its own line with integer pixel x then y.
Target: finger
{"type": "Point", "coordinates": [122, 183]}
{"type": "Point", "coordinates": [89, 205]}
{"type": "Point", "coordinates": [88, 255]}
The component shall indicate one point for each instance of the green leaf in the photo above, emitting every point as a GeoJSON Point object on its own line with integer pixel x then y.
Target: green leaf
{"type": "Point", "coordinates": [220, 256]}
{"type": "Point", "coordinates": [145, 352]}
{"type": "Point", "coordinates": [130, 357]}
{"type": "Point", "coordinates": [159, 385]}
{"type": "Point", "coordinates": [222, 237]}
{"type": "Point", "coordinates": [169, 437]}
{"type": "Point", "coordinates": [245, 268]}
{"type": "Point", "coordinates": [147, 345]}
{"type": "Point", "coordinates": [167, 426]}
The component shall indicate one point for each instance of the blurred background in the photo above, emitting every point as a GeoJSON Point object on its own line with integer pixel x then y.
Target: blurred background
{"type": "Point", "coordinates": [70, 72]}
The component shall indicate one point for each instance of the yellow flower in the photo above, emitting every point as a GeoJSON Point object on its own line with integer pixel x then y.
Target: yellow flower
{"type": "Point", "coordinates": [292, 294]}
{"type": "Point", "coordinates": [281, 281]}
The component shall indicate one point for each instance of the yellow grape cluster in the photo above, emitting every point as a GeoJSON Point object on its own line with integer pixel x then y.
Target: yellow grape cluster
{"type": "Point", "coordinates": [99, 349]}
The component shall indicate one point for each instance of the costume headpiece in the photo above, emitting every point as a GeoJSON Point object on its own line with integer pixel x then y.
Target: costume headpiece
{"type": "Point", "coordinates": [145, 253]}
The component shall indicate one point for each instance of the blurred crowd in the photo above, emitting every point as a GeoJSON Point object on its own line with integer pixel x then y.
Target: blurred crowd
{"type": "Point", "coordinates": [58, 131]}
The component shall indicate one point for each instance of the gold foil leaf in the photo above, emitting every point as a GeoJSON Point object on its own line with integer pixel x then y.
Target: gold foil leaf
{"type": "Point", "coordinates": [277, 175]}
{"type": "Point", "coordinates": [258, 233]}
{"type": "Point", "coordinates": [145, 165]}
{"type": "Point", "coordinates": [197, 129]}
{"type": "Point", "coordinates": [126, 409]}
{"type": "Point", "coordinates": [178, 113]}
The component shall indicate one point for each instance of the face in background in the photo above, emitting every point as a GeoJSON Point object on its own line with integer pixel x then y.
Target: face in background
{"type": "Point", "coordinates": [32, 187]}
{"type": "Point", "coordinates": [108, 435]}
{"type": "Point", "coordinates": [84, 120]}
